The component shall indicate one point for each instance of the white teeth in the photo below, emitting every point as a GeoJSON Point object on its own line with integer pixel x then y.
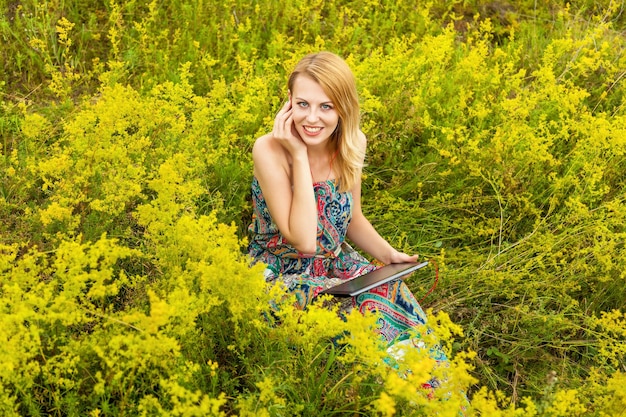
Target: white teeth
{"type": "Point", "coordinates": [312, 129]}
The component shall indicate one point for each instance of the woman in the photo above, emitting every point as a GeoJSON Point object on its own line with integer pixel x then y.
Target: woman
{"type": "Point", "coordinates": [306, 195]}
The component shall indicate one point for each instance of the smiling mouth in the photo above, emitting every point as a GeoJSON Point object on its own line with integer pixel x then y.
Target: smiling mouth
{"type": "Point", "coordinates": [312, 129]}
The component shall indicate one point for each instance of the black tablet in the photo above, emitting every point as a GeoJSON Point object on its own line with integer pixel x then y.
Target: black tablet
{"type": "Point", "coordinates": [362, 283]}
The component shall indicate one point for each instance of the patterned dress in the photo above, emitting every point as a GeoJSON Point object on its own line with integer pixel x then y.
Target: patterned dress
{"type": "Point", "coordinates": [333, 262]}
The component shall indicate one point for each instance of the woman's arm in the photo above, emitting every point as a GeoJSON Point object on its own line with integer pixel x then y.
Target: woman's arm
{"type": "Point", "coordinates": [364, 235]}
{"type": "Point", "coordinates": [281, 166]}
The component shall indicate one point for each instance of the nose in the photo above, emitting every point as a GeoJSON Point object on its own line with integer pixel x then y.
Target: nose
{"type": "Point", "coordinates": [312, 115]}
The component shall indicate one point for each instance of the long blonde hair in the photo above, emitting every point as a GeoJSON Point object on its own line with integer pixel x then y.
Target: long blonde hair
{"type": "Point", "coordinates": [336, 79]}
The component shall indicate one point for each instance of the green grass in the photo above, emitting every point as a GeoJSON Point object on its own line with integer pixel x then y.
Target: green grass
{"type": "Point", "coordinates": [495, 147]}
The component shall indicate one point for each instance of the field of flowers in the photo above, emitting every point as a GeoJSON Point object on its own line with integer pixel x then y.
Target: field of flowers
{"type": "Point", "coordinates": [496, 147]}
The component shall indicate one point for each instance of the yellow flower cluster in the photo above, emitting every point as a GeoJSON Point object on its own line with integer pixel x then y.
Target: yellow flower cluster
{"type": "Point", "coordinates": [496, 145]}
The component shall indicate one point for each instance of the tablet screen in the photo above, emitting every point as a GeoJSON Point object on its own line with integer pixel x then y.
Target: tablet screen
{"type": "Point", "coordinates": [372, 279]}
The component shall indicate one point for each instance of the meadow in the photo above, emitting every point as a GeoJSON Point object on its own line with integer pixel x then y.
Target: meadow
{"type": "Point", "coordinates": [496, 148]}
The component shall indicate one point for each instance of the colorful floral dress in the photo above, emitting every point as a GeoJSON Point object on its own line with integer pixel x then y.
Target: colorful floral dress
{"type": "Point", "coordinates": [333, 262]}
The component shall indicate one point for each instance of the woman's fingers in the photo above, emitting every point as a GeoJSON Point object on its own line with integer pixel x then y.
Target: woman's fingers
{"type": "Point", "coordinates": [286, 109]}
{"type": "Point", "coordinates": [283, 118]}
{"type": "Point", "coordinates": [282, 125]}
{"type": "Point", "coordinates": [285, 132]}
{"type": "Point", "coordinates": [399, 257]}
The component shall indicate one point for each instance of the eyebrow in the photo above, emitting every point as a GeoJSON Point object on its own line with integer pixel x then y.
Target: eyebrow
{"type": "Point", "coordinates": [323, 102]}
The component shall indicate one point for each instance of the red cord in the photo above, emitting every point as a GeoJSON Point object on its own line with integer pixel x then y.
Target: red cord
{"type": "Point", "coordinates": [435, 283]}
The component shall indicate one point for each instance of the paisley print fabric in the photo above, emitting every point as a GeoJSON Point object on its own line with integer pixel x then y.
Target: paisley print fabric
{"type": "Point", "coordinates": [333, 262]}
{"type": "Point", "coordinates": [398, 311]}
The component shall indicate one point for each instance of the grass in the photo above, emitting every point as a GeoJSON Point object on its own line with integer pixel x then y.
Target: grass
{"type": "Point", "coordinates": [495, 148]}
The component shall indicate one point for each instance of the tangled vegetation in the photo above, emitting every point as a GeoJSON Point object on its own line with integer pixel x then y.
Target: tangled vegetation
{"type": "Point", "coordinates": [496, 147]}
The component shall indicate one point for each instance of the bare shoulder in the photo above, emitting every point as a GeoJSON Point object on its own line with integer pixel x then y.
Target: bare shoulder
{"type": "Point", "coordinates": [263, 143]}
{"type": "Point", "coordinates": [361, 141]}
{"type": "Point", "coordinates": [362, 138]}
{"type": "Point", "coordinates": [267, 147]}
{"type": "Point", "coordinates": [267, 154]}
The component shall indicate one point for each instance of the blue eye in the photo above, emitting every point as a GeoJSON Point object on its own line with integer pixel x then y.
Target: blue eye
{"type": "Point", "coordinates": [326, 106]}
{"type": "Point", "coordinates": [303, 104]}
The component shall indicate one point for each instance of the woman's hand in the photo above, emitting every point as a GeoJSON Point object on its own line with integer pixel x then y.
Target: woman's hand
{"type": "Point", "coordinates": [281, 166]}
{"type": "Point", "coordinates": [400, 257]}
{"type": "Point", "coordinates": [285, 133]}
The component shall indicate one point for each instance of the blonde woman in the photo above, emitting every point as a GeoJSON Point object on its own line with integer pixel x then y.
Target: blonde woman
{"type": "Point", "coordinates": [306, 195]}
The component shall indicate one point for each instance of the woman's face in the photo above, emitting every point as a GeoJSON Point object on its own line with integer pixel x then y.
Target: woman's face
{"type": "Point", "coordinates": [314, 114]}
